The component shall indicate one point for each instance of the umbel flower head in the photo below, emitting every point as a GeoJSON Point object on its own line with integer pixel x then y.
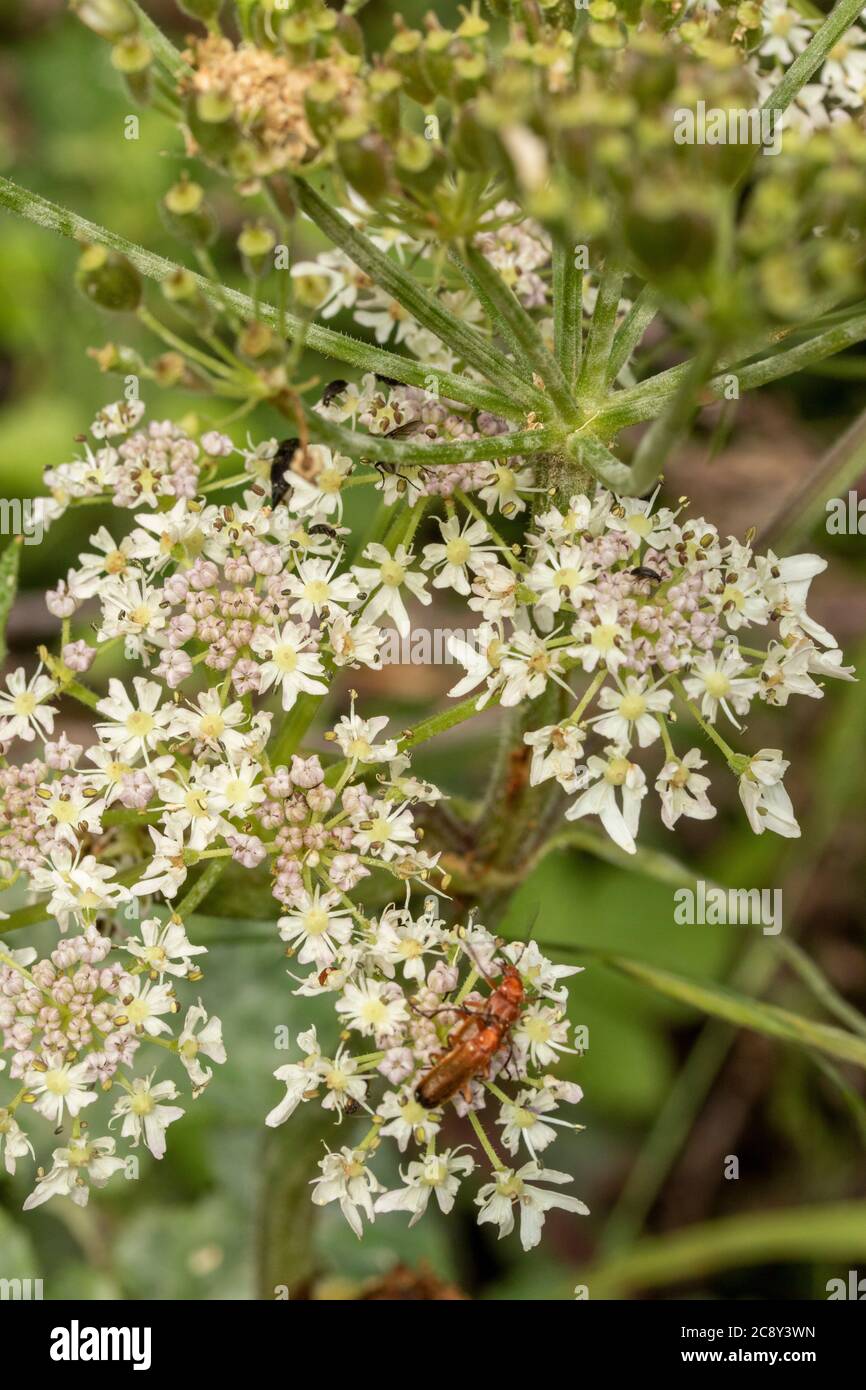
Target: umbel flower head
{"type": "Point", "coordinates": [631, 610]}
{"type": "Point", "coordinates": [455, 175]}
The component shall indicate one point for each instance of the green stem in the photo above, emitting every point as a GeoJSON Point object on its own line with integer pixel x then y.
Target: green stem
{"type": "Point", "coordinates": [821, 987]}
{"type": "Point", "coordinates": [832, 476]}
{"type": "Point", "coordinates": [819, 1233]}
{"type": "Point", "coordinates": [630, 332]}
{"type": "Point", "coordinates": [481, 1134]}
{"type": "Point", "coordinates": [200, 889]}
{"type": "Point", "coordinates": [663, 435]}
{"type": "Point", "coordinates": [163, 48]}
{"type": "Point", "coordinates": [601, 332]}
{"type": "Point", "coordinates": [838, 21]}
{"type": "Point", "coordinates": [508, 315]}
{"type": "Point", "coordinates": [285, 1256]}
{"type": "Point", "coordinates": [414, 451]}
{"type": "Point", "coordinates": [567, 311]}
{"type": "Point", "coordinates": [647, 400]}
{"type": "Point", "coordinates": [38, 912]}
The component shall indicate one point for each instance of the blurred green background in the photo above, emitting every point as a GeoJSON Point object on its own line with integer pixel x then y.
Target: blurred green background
{"type": "Point", "coordinates": [666, 1098]}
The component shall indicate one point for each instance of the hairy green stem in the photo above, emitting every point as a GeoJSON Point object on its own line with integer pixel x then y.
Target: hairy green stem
{"type": "Point", "coordinates": [418, 451]}
{"type": "Point", "coordinates": [508, 315]}
{"type": "Point", "coordinates": [567, 311]}
{"type": "Point", "coordinates": [601, 332]}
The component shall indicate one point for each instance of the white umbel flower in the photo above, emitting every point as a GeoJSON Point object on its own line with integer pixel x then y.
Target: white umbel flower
{"type": "Point", "coordinates": [497, 1200]}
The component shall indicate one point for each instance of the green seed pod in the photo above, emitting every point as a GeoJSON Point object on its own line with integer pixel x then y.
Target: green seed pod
{"type": "Point", "coordinates": [205, 10]}
{"type": "Point", "coordinates": [186, 214]}
{"type": "Point", "coordinates": [473, 145]}
{"type": "Point", "coordinates": [259, 343]}
{"type": "Point", "coordinates": [838, 265]}
{"type": "Point", "coordinates": [110, 19]}
{"type": "Point", "coordinates": [784, 284]}
{"type": "Point", "coordinates": [108, 279]}
{"type": "Point", "coordinates": [404, 55]}
{"type": "Point", "coordinates": [209, 117]}
{"type": "Point", "coordinates": [298, 33]}
{"type": "Point", "coordinates": [181, 288]}
{"type": "Point", "coordinates": [118, 359]}
{"type": "Point", "coordinates": [133, 57]}
{"type": "Point", "coordinates": [169, 369]}
{"type": "Point", "coordinates": [420, 162]}
{"type": "Point", "coordinates": [350, 34]}
{"type": "Point", "coordinates": [324, 109]}
{"type": "Point", "coordinates": [437, 59]}
{"type": "Point", "coordinates": [256, 245]}
{"type": "Point", "coordinates": [469, 73]}
{"type": "Point", "coordinates": [364, 159]}
{"type": "Point", "coordinates": [311, 291]}
{"type": "Point", "coordinates": [384, 87]}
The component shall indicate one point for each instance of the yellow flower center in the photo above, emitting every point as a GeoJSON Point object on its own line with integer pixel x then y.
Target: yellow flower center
{"type": "Point", "coordinates": [140, 724]}
{"type": "Point", "coordinates": [57, 1082]}
{"type": "Point", "coordinates": [393, 573]}
{"type": "Point", "coordinates": [457, 551]}
{"type": "Point", "coordinates": [330, 480]}
{"type": "Point", "coordinates": [285, 659]}
{"type": "Point", "coordinates": [603, 637]}
{"type": "Point", "coordinates": [718, 685]}
{"type": "Point", "coordinates": [617, 771]}
{"type": "Point", "coordinates": [632, 706]}
{"type": "Point", "coordinates": [380, 831]}
{"type": "Point", "coordinates": [195, 803]}
{"type": "Point", "coordinates": [567, 578]}
{"type": "Point", "coordinates": [315, 921]}
{"type": "Point", "coordinates": [317, 591]}
{"type": "Point", "coordinates": [640, 523]}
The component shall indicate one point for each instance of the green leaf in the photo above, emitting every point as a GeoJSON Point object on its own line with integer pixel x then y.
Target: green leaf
{"type": "Point", "coordinates": [743, 1012]}
{"type": "Point", "coordinates": [10, 562]}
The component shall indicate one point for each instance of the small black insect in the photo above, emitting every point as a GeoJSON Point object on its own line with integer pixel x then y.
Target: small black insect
{"type": "Point", "coordinates": [387, 380]}
{"type": "Point", "coordinates": [333, 389]}
{"type": "Point", "coordinates": [322, 529]}
{"type": "Point", "coordinates": [644, 572]}
{"type": "Point", "coordinates": [280, 465]}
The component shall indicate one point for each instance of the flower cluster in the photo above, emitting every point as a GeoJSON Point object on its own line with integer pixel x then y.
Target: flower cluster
{"type": "Point", "coordinates": [656, 610]}
{"type": "Point", "coordinates": [506, 357]}
{"type": "Point", "coordinates": [74, 1022]}
{"type": "Point", "coordinates": [407, 988]}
